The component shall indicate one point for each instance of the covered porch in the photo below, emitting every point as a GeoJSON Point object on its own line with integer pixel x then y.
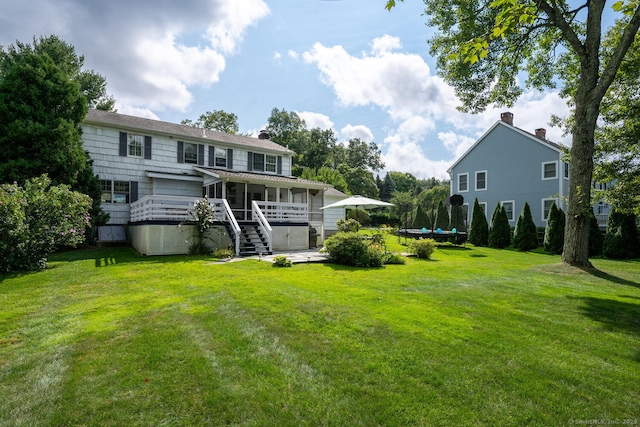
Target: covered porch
{"type": "Point", "coordinates": [259, 213]}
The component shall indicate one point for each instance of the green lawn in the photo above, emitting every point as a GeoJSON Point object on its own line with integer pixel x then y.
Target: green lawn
{"type": "Point", "coordinates": [474, 336]}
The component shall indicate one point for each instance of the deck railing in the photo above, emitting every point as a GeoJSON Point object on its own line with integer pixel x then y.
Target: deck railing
{"type": "Point", "coordinates": [284, 212]}
{"type": "Point", "coordinates": [264, 225]}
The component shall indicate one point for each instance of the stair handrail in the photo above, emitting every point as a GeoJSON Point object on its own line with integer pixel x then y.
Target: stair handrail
{"type": "Point", "coordinates": [258, 216]}
{"type": "Point", "coordinates": [229, 216]}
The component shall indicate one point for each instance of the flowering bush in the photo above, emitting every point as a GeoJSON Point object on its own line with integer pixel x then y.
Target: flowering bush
{"type": "Point", "coordinates": [37, 219]}
{"type": "Point", "coordinates": [203, 217]}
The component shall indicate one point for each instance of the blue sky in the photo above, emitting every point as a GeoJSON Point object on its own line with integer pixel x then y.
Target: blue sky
{"type": "Point", "coordinates": [349, 65]}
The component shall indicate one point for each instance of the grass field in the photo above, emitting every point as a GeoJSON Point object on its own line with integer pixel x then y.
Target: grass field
{"type": "Point", "coordinates": [474, 336]}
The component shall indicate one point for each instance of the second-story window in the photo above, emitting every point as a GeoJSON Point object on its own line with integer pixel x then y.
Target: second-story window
{"type": "Point", "coordinates": [190, 153]}
{"type": "Point", "coordinates": [221, 157]}
{"type": "Point", "coordinates": [270, 163]}
{"type": "Point", "coordinates": [549, 170]}
{"type": "Point", "coordinates": [463, 182]}
{"type": "Point", "coordinates": [136, 142]}
{"type": "Point", "coordinates": [481, 180]}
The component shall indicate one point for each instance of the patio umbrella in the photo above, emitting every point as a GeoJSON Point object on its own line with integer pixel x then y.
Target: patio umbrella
{"type": "Point", "coordinates": [358, 201]}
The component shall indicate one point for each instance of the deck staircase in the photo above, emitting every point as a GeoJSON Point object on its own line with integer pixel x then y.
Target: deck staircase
{"type": "Point", "coordinates": [252, 240]}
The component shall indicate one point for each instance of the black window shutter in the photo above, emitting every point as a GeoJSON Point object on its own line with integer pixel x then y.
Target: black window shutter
{"type": "Point", "coordinates": [180, 152]}
{"type": "Point", "coordinates": [279, 167]}
{"type": "Point", "coordinates": [147, 147]}
{"type": "Point", "coordinates": [211, 156]}
{"type": "Point", "coordinates": [201, 154]}
{"type": "Point", "coordinates": [229, 158]}
{"type": "Point", "coordinates": [133, 189]}
{"type": "Point", "coordinates": [123, 144]}
{"type": "Point", "coordinates": [249, 161]}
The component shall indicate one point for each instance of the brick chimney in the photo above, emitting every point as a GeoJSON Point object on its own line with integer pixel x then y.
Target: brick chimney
{"type": "Point", "coordinates": [263, 134]}
{"type": "Point", "coordinates": [541, 133]}
{"type": "Point", "coordinates": [507, 117]}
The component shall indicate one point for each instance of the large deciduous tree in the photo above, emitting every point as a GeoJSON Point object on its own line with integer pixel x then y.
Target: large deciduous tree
{"type": "Point", "coordinates": [218, 120]}
{"type": "Point", "coordinates": [483, 45]}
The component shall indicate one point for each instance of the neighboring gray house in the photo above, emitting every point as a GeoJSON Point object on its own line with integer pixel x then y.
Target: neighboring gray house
{"type": "Point", "coordinates": [152, 172]}
{"type": "Point", "coordinates": [510, 166]}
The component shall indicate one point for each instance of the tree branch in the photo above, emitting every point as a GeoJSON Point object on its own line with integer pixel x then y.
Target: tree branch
{"type": "Point", "coordinates": [556, 16]}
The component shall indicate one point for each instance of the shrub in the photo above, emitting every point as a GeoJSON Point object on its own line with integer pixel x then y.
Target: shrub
{"type": "Point", "coordinates": [36, 220]}
{"type": "Point", "coordinates": [281, 261]}
{"type": "Point", "coordinates": [554, 231]}
{"type": "Point", "coordinates": [393, 258]}
{"type": "Point", "coordinates": [224, 253]}
{"type": "Point", "coordinates": [525, 236]}
{"type": "Point", "coordinates": [422, 248]}
{"type": "Point", "coordinates": [500, 232]}
{"type": "Point", "coordinates": [621, 240]}
{"type": "Point", "coordinates": [360, 215]}
{"type": "Point", "coordinates": [596, 239]}
{"type": "Point", "coordinates": [203, 217]}
{"type": "Point", "coordinates": [350, 248]}
{"type": "Point", "coordinates": [348, 226]}
{"type": "Point", "coordinates": [479, 230]}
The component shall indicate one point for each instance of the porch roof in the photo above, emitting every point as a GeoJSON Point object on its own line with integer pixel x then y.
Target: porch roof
{"type": "Point", "coordinates": [238, 176]}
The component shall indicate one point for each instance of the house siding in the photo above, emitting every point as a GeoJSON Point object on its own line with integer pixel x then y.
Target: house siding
{"type": "Point", "coordinates": [513, 163]}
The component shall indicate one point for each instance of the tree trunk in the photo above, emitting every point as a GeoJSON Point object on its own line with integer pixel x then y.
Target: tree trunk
{"type": "Point", "coordinates": [576, 236]}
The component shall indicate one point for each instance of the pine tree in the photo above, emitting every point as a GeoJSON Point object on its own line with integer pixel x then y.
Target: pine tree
{"type": "Point", "coordinates": [388, 188]}
{"type": "Point", "coordinates": [422, 219]}
{"type": "Point", "coordinates": [554, 231]}
{"type": "Point", "coordinates": [479, 230]}
{"type": "Point", "coordinates": [500, 232]}
{"type": "Point", "coordinates": [525, 236]}
{"type": "Point", "coordinates": [596, 239]}
{"type": "Point", "coordinates": [621, 240]}
{"type": "Point", "coordinates": [442, 217]}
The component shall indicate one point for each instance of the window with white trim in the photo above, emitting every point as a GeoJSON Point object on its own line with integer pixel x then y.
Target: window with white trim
{"type": "Point", "coordinates": [463, 182]}
{"type": "Point", "coordinates": [546, 207]}
{"type": "Point", "coordinates": [258, 162]}
{"type": "Point", "coordinates": [190, 153]}
{"type": "Point", "coordinates": [549, 170]}
{"type": "Point", "coordinates": [115, 191]}
{"type": "Point", "coordinates": [509, 207]}
{"type": "Point", "coordinates": [135, 144]}
{"type": "Point", "coordinates": [481, 180]}
{"type": "Point", "coordinates": [270, 163]}
{"type": "Point", "coordinates": [220, 157]}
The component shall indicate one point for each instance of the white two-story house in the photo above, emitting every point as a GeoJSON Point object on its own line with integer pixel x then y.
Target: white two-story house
{"type": "Point", "coordinates": [152, 172]}
{"type": "Point", "coordinates": [510, 166]}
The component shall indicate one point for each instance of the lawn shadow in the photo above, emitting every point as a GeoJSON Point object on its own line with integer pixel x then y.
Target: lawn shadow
{"type": "Point", "coordinates": [609, 277]}
{"type": "Point", "coordinates": [613, 314]}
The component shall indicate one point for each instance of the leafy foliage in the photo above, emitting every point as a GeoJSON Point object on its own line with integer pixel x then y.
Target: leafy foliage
{"type": "Point", "coordinates": [353, 249]}
{"type": "Point", "coordinates": [37, 219]}
{"type": "Point", "coordinates": [348, 226]}
{"type": "Point", "coordinates": [203, 217]}
{"type": "Point", "coordinates": [422, 248]}
{"type": "Point", "coordinates": [500, 231]}
{"type": "Point", "coordinates": [44, 96]}
{"type": "Point", "coordinates": [479, 230]}
{"type": "Point", "coordinates": [218, 120]}
{"type": "Point", "coordinates": [554, 230]}
{"type": "Point", "coordinates": [621, 240]}
{"type": "Point", "coordinates": [282, 261]}
{"type": "Point", "coordinates": [525, 236]}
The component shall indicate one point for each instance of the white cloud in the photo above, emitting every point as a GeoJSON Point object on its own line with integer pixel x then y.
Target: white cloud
{"type": "Point", "coordinates": [315, 120]}
{"type": "Point", "coordinates": [151, 53]}
{"type": "Point", "coordinates": [409, 157]}
{"type": "Point", "coordinates": [359, 131]}
{"type": "Point", "coordinates": [293, 54]}
{"type": "Point", "coordinates": [277, 56]}
{"type": "Point", "coordinates": [385, 44]}
{"type": "Point", "coordinates": [457, 144]}
{"type": "Point", "coordinates": [138, 112]}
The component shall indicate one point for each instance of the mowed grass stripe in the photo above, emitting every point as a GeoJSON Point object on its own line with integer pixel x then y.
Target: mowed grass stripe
{"type": "Point", "coordinates": [476, 336]}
